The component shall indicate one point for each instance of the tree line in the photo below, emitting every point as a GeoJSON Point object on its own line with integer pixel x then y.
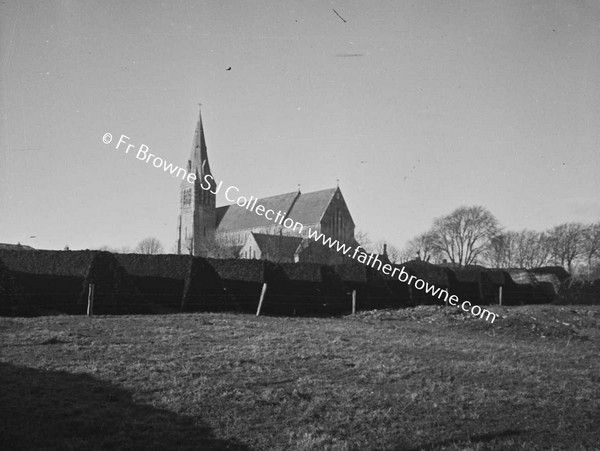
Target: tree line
{"type": "Point", "coordinates": [473, 235]}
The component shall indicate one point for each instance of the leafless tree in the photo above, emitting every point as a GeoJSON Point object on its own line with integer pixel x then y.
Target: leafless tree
{"type": "Point", "coordinates": [394, 254]}
{"type": "Point", "coordinates": [532, 249]}
{"type": "Point", "coordinates": [566, 242]}
{"type": "Point", "coordinates": [591, 246]}
{"type": "Point", "coordinates": [501, 250]}
{"type": "Point", "coordinates": [149, 246]}
{"type": "Point", "coordinates": [465, 234]}
{"type": "Point", "coordinates": [363, 240]}
{"type": "Point", "coordinates": [522, 249]}
{"type": "Point", "coordinates": [405, 256]}
{"type": "Point", "coordinates": [422, 247]}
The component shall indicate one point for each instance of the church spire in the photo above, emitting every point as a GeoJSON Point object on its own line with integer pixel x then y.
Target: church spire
{"type": "Point", "coordinates": [199, 154]}
{"type": "Point", "coordinates": [197, 220]}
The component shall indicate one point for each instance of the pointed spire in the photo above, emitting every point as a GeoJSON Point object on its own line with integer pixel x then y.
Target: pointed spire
{"type": "Point", "coordinates": [199, 154]}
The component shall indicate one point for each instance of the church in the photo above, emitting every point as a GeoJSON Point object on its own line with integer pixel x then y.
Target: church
{"type": "Point", "coordinates": [231, 231]}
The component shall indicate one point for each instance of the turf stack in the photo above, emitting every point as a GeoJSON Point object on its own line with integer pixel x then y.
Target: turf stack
{"type": "Point", "coordinates": [114, 291]}
{"type": "Point", "coordinates": [466, 283]}
{"type": "Point", "coordinates": [438, 276]}
{"type": "Point", "coordinates": [492, 280]}
{"type": "Point", "coordinates": [399, 292]}
{"type": "Point", "coordinates": [242, 282]}
{"type": "Point", "coordinates": [354, 278]}
{"type": "Point", "coordinates": [203, 289]}
{"type": "Point", "coordinates": [551, 279]}
{"type": "Point", "coordinates": [7, 290]}
{"type": "Point", "coordinates": [160, 279]}
{"type": "Point", "coordinates": [303, 289]}
{"type": "Point", "coordinates": [37, 282]}
{"type": "Point", "coordinates": [523, 288]}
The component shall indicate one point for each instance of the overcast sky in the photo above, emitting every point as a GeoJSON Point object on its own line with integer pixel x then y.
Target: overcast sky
{"type": "Point", "coordinates": [416, 107]}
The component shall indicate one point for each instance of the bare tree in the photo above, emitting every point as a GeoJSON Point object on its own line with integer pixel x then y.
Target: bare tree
{"type": "Point", "coordinates": [363, 239]}
{"type": "Point", "coordinates": [566, 242]}
{"type": "Point", "coordinates": [532, 249]}
{"type": "Point", "coordinates": [422, 247]}
{"type": "Point", "coordinates": [405, 256]}
{"type": "Point", "coordinates": [149, 246]}
{"type": "Point", "coordinates": [465, 234]}
{"type": "Point", "coordinates": [394, 254]}
{"type": "Point", "coordinates": [500, 253]}
{"type": "Point", "coordinates": [591, 245]}
{"type": "Point", "coordinates": [522, 249]}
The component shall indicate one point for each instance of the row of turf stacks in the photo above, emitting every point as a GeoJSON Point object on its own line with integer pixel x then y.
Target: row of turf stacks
{"type": "Point", "coordinates": [159, 280]}
{"type": "Point", "coordinates": [43, 282]}
{"type": "Point", "coordinates": [223, 285]}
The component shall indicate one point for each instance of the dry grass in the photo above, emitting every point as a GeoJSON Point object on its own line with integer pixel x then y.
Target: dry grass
{"type": "Point", "coordinates": [423, 378]}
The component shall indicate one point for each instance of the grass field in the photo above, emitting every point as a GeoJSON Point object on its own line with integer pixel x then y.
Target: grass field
{"type": "Point", "coordinates": [423, 378]}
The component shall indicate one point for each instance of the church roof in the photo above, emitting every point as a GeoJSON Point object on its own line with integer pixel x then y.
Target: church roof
{"type": "Point", "coordinates": [234, 217]}
{"type": "Point", "coordinates": [310, 207]}
{"type": "Point", "coordinates": [306, 208]}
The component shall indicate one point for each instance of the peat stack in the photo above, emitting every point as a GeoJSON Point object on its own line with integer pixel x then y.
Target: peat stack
{"type": "Point", "coordinates": [160, 279]}
{"type": "Point", "coordinates": [37, 282]}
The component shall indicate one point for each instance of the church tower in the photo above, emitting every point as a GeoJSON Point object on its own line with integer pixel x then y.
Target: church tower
{"type": "Point", "coordinates": [197, 220]}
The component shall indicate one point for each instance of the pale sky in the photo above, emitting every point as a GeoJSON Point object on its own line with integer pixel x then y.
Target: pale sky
{"type": "Point", "coordinates": [416, 107]}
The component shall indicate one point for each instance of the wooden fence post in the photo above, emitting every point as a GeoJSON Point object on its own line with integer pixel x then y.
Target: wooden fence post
{"type": "Point", "coordinates": [500, 296]}
{"type": "Point", "coordinates": [353, 302]}
{"type": "Point", "coordinates": [262, 297]}
{"type": "Point", "coordinates": [90, 306]}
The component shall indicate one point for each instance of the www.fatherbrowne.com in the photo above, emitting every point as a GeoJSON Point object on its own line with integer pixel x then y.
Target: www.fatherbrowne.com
{"type": "Point", "coordinates": [281, 218]}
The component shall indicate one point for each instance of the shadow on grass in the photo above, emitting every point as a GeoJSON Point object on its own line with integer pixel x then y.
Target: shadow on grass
{"type": "Point", "coordinates": [487, 437]}
{"type": "Point", "coordinates": [59, 410]}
